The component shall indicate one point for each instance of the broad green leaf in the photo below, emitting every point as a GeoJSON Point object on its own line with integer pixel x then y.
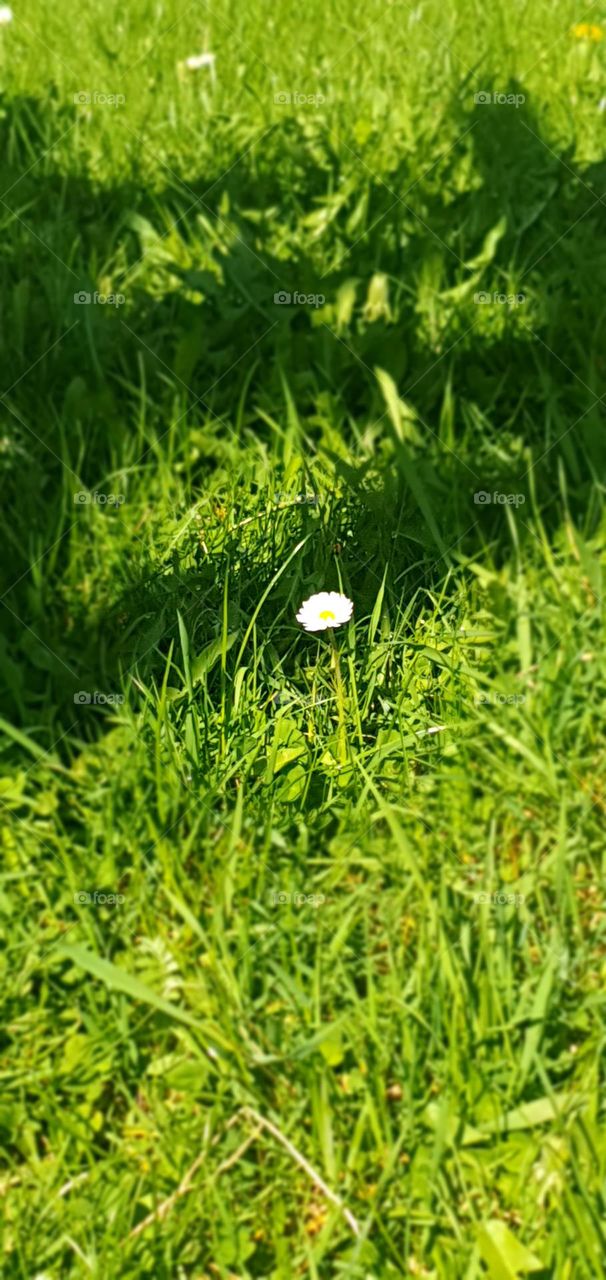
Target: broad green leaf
{"type": "Point", "coordinates": [344, 304]}
{"type": "Point", "coordinates": [489, 246]}
{"type": "Point", "coordinates": [539, 1111]}
{"type": "Point", "coordinates": [402, 416]}
{"type": "Point", "coordinates": [332, 1050]}
{"type": "Point", "coordinates": [288, 745]}
{"type": "Point", "coordinates": [537, 1016]}
{"type": "Point", "coordinates": [504, 1255]}
{"type": "Point", "coordinates": [292, 784]}
{"type": "Point", "coordinates": [452, 1129]}
{"type": "Point", "coordinates": [117, 979]}
{"type": "Point", "coordinates": [25, 741]}
{"type": "Point", "coordinates": [461, 292]}
{"type": "Point", "coordinates": [211, 654]}
{"type": "Point", "coordinates": [377, 305]}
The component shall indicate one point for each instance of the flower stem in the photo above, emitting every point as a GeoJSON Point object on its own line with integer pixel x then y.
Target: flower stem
{"type": "Point", "coordinates": [342, 751]}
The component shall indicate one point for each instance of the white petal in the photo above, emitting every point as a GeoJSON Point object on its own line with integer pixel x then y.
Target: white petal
{"type": "Point", "coordinates": [197, 60]}
{"type": "Point", "coordinates": [325, 602]}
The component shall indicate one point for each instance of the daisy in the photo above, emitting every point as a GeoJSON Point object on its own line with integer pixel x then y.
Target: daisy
{"type": "Point", "coordinates": [6, 15]}
{"type": "Point", "coordinates": [325, 610]}
{"type": "Point", "coordinates": [198, 60]}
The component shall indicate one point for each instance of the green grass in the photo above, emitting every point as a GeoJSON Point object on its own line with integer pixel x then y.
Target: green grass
{"type": "Point", "coordinates": [302, 979]}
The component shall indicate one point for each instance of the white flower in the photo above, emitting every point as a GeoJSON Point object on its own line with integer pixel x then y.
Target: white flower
{"type": "Point", "coordinates": [326, 609]}
{"type": "Point", "coordinates": [6, 15]}
{"type": "Point", "coordinates": [198, 60]}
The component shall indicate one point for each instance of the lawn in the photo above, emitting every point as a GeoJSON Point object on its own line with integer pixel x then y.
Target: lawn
{"type": "Point", "coordinates": [303, 933]}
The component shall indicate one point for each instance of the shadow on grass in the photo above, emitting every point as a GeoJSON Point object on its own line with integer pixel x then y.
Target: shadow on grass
{"type": "Point", "coordinates": [418, 276]}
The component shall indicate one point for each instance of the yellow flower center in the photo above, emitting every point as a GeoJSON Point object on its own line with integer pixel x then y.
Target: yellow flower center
{"type": "Point", "coordinates": [326, 614]}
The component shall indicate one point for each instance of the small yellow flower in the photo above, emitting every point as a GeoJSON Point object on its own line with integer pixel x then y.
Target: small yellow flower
{"type": "Point", "coordinates": [316, 1217]}
{"type": "Point", "coordinates": [368, 1191]}
{"type": "Point", "coordinates": [587, 31]}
